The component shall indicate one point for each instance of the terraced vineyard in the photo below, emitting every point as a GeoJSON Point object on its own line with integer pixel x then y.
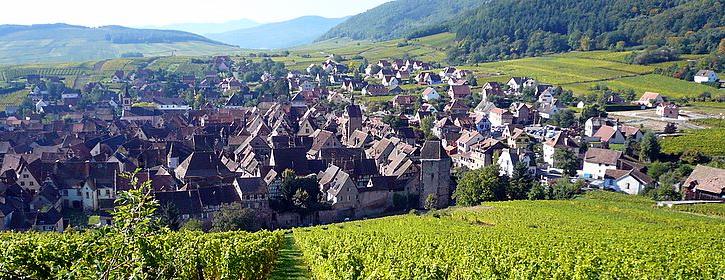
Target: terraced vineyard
{"type": "Point", "coordinates": [600, 236]}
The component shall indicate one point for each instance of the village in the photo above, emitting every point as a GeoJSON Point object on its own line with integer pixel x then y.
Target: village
{"type": "Point", "coordinates": [302, 148]}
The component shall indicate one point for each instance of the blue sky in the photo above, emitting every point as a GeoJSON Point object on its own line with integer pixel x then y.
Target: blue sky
{"type": "Point", "coordinates": [163, 12]}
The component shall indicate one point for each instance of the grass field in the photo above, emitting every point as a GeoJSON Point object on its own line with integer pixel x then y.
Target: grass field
{"type": "Point", "coordinates": [599, 236]}
{"type": "Point", "coordinates": [668, 86]}
{"type": "Point", "coordinates": [705, 209]}
{"type": "Point", "coordinates": [708, 141]}
{"type": "Point", "coordinates": [13, 98]}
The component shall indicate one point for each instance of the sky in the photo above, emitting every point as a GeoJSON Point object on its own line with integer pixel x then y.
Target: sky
{"type": "Point", "coordinates": [164, 12]}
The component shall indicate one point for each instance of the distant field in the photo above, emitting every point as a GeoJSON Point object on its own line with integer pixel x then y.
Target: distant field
{"type": "Point", "coordinates": [668, 86]}
{"type": "Point", "coordinates": [708, 141]}
{"type": "Point", "coordinates": [13, 98]}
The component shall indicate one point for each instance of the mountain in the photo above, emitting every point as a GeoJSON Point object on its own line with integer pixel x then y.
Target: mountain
{"type": "Point", "coordinates": [62, 43]}
{"type": "Point", "coordinates": [284, 34]}
{"type": "Point", "coordinates": [209, 28]}
{"type": "Point", "coordinates": [400, 18]}
{"type": "Point", "coordinates": [512, 28]}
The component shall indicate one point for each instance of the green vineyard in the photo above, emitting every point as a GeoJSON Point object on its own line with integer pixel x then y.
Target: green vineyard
{"type": "Point", "coordinates": [179, 255]}
{"type": "Point", "coordinates": [13, 73]}
{"type": "Point", "coordinates": [601, 236]}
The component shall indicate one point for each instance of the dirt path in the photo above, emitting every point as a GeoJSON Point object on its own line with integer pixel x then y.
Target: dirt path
{"type": "Point", "coordinates": [290, 264]}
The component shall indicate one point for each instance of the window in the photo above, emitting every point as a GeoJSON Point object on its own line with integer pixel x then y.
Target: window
{"type": "Point", "coordinates": [25, 176]}
{"type": "Point", "coordinates": [32, 183]}
{"type": "Point", "coordinates": [22, 184]}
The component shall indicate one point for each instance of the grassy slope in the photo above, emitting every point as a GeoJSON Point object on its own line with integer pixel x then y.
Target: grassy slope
{"type": "Point", "coordinates": [700, 140]}
{"type": "Point", "coordinates": [50, 51]}
{"type": "Point", "coordinates": [603, 235]}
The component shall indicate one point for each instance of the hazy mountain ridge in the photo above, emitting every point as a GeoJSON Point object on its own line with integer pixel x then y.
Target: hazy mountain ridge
{"type": "Point", "coordinates": [285, 34]}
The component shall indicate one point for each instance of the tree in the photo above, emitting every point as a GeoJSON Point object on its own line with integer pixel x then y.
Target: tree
{"type": "Point", "coordinates": [564, 189]}
{"type": "Point", "coordinates": [232, 217]}
{"type": "Point", "coordinates": [649, 147]}
{"type": "Point", "coordinates": [168, 215]}
{"type": "Point", "coordinates": [564, 118]}
{"type": "Point", "coordinates": [431, 202]}
{"type": "Point", "coordinates": [480, 185]}
{"type": "Point", "coordinates": [693, 156]}
{"type": "Point", "coordinates": [192, 225]}
{"type": "Point", "coordinates": [566, 160]}
{"type": "Point", "coordinates": [539, 192]}
{"type": "Point", "coordinates": [520, 184]}
{"type": "Point", "coordinates": [670, 128]}
{"type": "Point", "coordinates": [585, 43]}
{"type": "Point", "coordinates": [656, 169]}
{"type": "Point", "coordinates": [590, 111]}
{"type": "Point", "coordinates": [426, 124]}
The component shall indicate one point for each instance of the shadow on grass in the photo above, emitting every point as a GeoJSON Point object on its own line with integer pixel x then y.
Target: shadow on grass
{"type": "Point", "coordinates": [290, 264]}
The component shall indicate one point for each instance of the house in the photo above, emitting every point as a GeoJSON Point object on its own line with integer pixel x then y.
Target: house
{"type": "Point", "coordinates": [430, 94]}
{"type": "Point", "coordinates": [456, 108]}
{"type": "Point", "coordinates": [628, 181]}
{"type": "Point", "coordinates": [448, 72]}
{"type": "Point", "coordinates": [404, 101]}
{"type": "Point", "coordinates": [516, 84]}
{"type": "Point", "coordinates": [468, 138]}
{"type": "Point", "coordinates": [428, 78]}
{"type": "Point", "coordinates": [375, 90]}
{"type": "Point", "coordinates": [510, 157]}
{"type": "Point", "coordinates": [500, 117]}
{"type": "Point", "coordinates": [492, 89]}
{"type": "Point", "coordinates": [459, 91]}
{"type": "Point", "coordinates": [705, 76]}
{"type": "Point", "coordinates": [593, 124]}
{"type": "Point", "coordinates": [390, 81]}
{"type": "Point", "coordinates": [561, 140]}
{"type": "Point", "coordinates": [650, 99]}
{"type": "Point", "coordinates": [668, 110]}
{"type": "Point", "coordinates": [610, 135]}
{"type": "Point", "coordinates": [597, 161]}
{"type": "Point", "coordinates": [705, 183]}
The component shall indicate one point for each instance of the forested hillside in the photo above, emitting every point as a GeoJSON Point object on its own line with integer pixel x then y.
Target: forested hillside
{"type": "Point", "coordinates": [400, 18]}
{"type": "Point", "coordinates": [513, 28]}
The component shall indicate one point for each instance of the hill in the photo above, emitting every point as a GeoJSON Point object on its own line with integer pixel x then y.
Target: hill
{"type": "Point", "coordinates": [277, 35]}
{"type": "Point", "coordinates": [401, 18]}
{"type": "Point", "coordinates": [513, 28]}
{"type": "Point", "coordinates": [601, 235]}
{"type": "Point", "coordinates": [209, 28]}
{"type": "Point", "coordinates": [63, 43]}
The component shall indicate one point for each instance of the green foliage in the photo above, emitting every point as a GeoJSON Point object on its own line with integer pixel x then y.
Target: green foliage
{"type": "Point", "coordinates": [515, 28]}
{"type": "Point", "coordinates": [696, 140]}
{"type": "Point", "coordinates": [649, 147]}
{"type": "Point", "coordinates": [713, 209]}
{"type": "Point", "coordinates": [653, 56]}
{"type": "Point", "coordinates": [566, 160]}
{"type": "Point", "coordinates": [520, 184]}
{"type": "Point", "coordinates": [564, 118]}
{"type": "Point", "coordinates": [480, 185]}
{"type": "Point", "coordinates": [422, 18]}
{"type": "Point", "coordinates": [431, 202]}
{"type": "Point", "coordinates": [137, 247]}
{"type": "Point", "coordinates": [426, 125]}
{"type": "Point", "coordinates": [233, 217]}
{"type": "Point", "coordinates": [585, 238]}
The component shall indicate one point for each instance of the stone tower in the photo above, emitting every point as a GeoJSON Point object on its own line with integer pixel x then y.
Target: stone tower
{"type": "Point", "coordinates": [435, 173]}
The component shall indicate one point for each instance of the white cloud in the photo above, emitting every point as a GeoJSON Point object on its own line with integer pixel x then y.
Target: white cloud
{"type": "Point", "coordinates": [162, 12]}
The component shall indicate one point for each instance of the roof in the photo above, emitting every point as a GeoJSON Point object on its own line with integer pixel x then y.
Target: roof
{"type": "Point", "coordinates": [704, 73]}
{"type": "Point", "coordinates": [649, 96]}
{"type": "Point", "coordinates": [603, 156]}
{"type": "Point", "coordinates": [708, 179]}
{"type": "Point", "coordinates": [432, 149]}
{"type": "Point", "coordinates": [605, 133]}
{"type": "Point", "coordinates": [619, 174]}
